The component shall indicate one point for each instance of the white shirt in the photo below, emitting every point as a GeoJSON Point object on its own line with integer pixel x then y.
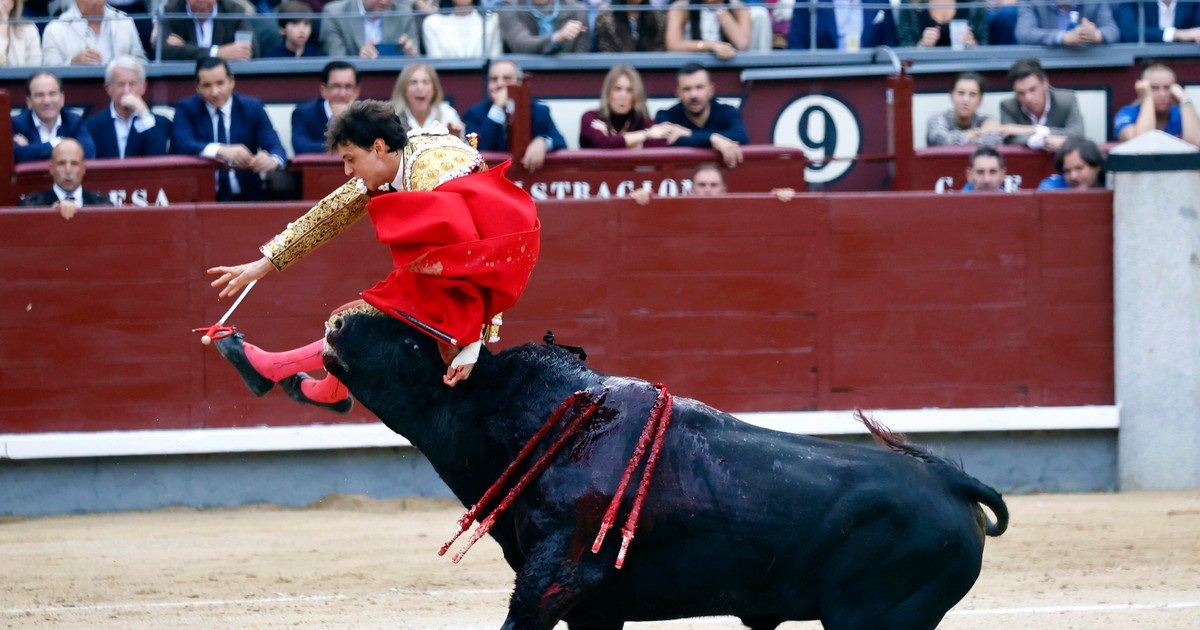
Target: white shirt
{"type": "Point", "coordinates": [48, 134]}
{"type": "Point", "coordinates": [210, 150]}
{"type": "Point", "coordinates": [204, 27]}
{"type": "Point", "coordinates": [849, 16]}
{"type": "Point", "coordinates": [443, 113]}
{"type": "Point", "coordinates": [372, 25]}
{"type": "Point", "coordinates": [123, 126]}
{"type": "Point", "coordinates": [75, 195]}
{"type": "Point", "coordinates": [1040, 130]}
{"type": "Point", "coordinates": [1166, 19]}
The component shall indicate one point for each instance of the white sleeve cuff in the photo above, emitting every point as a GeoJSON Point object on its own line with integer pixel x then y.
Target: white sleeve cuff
{"type": "Point", "coordinates": [1169, 34]}
{"type": "Point", "coordinates": [496, 115]}
{"type": "Point", "coordinates": [1038, 139]}
{"type": "Point", "coordinates": [54, 140]}
{"type": "Point", "coordinates": [212, 51]}
{"type": "Point", "coordinates": [144, 122]}
{"type": "Point", "coordinates": [468, 356]}
{"type": "Point", "coordinates": [210, 150]}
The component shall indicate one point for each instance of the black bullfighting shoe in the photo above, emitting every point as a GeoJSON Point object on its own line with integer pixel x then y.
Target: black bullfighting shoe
{"type": "Point", "coordinates": [232, 349]}
{"type": "Point", "coordinates": [291, 385]}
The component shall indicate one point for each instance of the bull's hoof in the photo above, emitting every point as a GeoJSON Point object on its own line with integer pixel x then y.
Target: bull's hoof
{"type": "Point", "coordinates": [291, 385]}
{"type": "Point", "coordinates": [232, 349]}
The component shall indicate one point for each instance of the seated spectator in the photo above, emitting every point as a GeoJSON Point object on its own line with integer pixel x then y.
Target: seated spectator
{"type": "Point", "coordinates": [544, 27]}
{"type": "Point", "coordinates": [296, 26]}
{"type": "Point", "coordinates": [90, 33]}
{"type": "Point", "coordinates": [20, 43]}
{"type": "Point", "coordinates": [489, 118]}
{"type": "Point", "coordinates": [1002, 22]}
{"type": "Point", "coordinates": [985, 173]}
{"type": "Point", "coordinates": [1168, 21]}
{"type": "Point", "coordinates": [356, 28]}
{"type": "Point", "coordinates": [44, 123]}
{"type": "Point", "coordinates": [623, 122]}
{"type": "Point", "coordinates": [618, 29]}
{"type": "Point", "coordinates": [861, 27]}
{"type": "Point", "coordinates": [929, 25]}
{"type": "Point", "coordinates": [708, 181]}
{"type": "Point", "coordinates": [210, 30]}
{"type": "Point", "coordinates": [220, 124]}
{"type": "Point", "coordinates": [1070, 25]}
{"type": "Point", "coordinates": [1161, 104]}
{"type": "Point", "coordinates": [460, 30]}
{"type": "Point", "coordinates": [706, 123]}
{"type": "Point", "coordinates": [339, 88]}
{"type": "Point", "coordinates": [719, 27]}
{"type": "Point", "coordinates": [67, 196]}
{"type": "Point", "coordinates": [1038, 116]}
{"type": "Point", "coordinates": [1080, 165]}
{"type": "Point", "coordinates": [417, 98]}
{"type": "Point", "coordinates": [963, 124]}
{"type": "Point", "coordinates": [127, 127]}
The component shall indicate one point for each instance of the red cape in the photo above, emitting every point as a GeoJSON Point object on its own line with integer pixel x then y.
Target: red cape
{"type": "Point", "coordinates": [462, 253]}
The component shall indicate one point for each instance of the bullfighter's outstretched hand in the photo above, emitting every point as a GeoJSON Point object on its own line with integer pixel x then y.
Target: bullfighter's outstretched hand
{"type": "Point", "coordinates": [238, 277]}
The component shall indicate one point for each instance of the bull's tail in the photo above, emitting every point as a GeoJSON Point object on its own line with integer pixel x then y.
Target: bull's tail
{"type": "Point", "coordinates": [971, 487]}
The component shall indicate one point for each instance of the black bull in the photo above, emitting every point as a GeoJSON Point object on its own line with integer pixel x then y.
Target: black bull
{"type": "Point", "coordinates": [738, 520]}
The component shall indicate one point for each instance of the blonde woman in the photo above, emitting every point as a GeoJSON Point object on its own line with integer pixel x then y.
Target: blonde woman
{"type": "Point", "coordinates": [417, 98]}
{"type": "Point", "coordinates": [20, 44]}
{"type": "Point", "coordinates": [720, 27]}
{"type": "Point", "coordinates": [622, 122]}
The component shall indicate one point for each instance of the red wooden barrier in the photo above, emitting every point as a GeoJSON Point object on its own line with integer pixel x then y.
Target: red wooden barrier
{"type": "Point", "coordinates": [750, 304]}
{"type": "Point", "coordinates": [178, 178]}
{"type": "Point", "coordinates": [931, 163]}
{"type": "Point", "coordinates": [589, 173]}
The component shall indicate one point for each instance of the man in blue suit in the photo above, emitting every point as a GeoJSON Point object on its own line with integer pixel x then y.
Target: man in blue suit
{"type": "Point", "coordinates": [219, 124]}
{"type": "Point", "coordinates": [489, 118]}
{"type": "Point", "coordinates": [700, 121]}
{"type": "Point", "coordinates": [127, 127]}
{"type": "Point", "coordinates": [38, 129]}
{"type": "Point", "coordinates": [843, 24]}
{"type": "Point", "coordinates": [1184, 27]}
{"type": "Point", "coordinates": [339, 88]}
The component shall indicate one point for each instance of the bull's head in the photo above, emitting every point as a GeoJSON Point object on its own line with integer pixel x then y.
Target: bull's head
{"type": "Point", "coordinates": [384, 362]}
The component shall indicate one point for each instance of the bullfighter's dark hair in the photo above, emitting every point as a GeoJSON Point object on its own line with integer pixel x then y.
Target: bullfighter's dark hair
{"type": "Point", "coordinates": [690, 68]}
{"type": "Point", "coordinates": [365, 121]}
{"type": "Point", "coordinates": [1026, 68]}
{"type": "Point", "coordinates": [986, 151]}
{"type": "Point", "coordinates": [969, 75]}
{"type": "Point", "coordinates": [335, 65]}
{"type": "Point", "coordinates": [43, 73]}
{"type": "Point", "coordinates": [208, 63]}
{"type": "Point", "coordinates": [1088, 152]}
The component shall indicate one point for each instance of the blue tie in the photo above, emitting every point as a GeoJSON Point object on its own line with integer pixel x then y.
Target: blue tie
{"type": "Point", "coordinates": [224, 183]}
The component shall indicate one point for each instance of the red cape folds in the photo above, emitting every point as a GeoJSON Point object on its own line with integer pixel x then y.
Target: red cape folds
{"type": "Point", "coordinates": [462, 253]}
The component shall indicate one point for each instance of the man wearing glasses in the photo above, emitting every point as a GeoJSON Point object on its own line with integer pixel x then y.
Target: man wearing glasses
{"type": "Point", "coordinates": [339, 88]}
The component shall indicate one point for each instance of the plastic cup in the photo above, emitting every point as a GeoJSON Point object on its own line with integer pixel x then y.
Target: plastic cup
{"type": "Point", "coordinates": [243, 37]}
{"type": "Point", "coordinates": [958, 30]}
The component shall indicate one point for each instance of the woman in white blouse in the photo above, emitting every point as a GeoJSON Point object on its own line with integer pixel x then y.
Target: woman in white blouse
{"type": "Point", "coordinates": [19, 41]}
{"type": "Point", "coordinates": [417, 98]}
{"type": "Point", "coordinates": [461, 30]}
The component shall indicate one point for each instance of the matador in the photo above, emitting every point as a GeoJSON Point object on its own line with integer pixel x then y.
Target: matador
{"type": "Point", "coordinates": [463, 241]}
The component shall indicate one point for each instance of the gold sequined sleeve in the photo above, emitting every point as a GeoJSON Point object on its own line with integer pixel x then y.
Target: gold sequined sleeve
{"type": "Point", "coordinates": [330, 217]}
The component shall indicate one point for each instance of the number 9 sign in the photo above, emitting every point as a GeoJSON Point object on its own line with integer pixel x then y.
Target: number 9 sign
{"type": "Point", "coordinates": [823, 127]}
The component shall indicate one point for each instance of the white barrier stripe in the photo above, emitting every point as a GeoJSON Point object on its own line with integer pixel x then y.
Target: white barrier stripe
{"type": "Point", "coordinates": [376, 435]}
{"type": "Point", "coordinates": [1028, 610]}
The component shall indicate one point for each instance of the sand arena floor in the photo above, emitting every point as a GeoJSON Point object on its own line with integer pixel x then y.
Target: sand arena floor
{"type": "Point", "coordinates": [1067, 561]}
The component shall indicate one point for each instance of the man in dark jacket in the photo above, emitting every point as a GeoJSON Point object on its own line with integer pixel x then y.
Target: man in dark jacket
{"type": "Point", "coordinates": [339, 88]}
{"type": "Point", "coordinates": [218, 22]}
{"type": "Point", "coordinates": [44, 123]}
{"type": "Point", "coordinates": [127, 127]}
{"type": "Point", "coordinates": [489, 118]}
{"type": "Point", "coordinates": [704, 123]}
{"type": "Point", "coordinates": [67, 196]}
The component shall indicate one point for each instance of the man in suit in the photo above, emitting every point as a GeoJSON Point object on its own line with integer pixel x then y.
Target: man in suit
{"type": "Point", "coordinates": [702, 121]}
{"type": "Point", "coordinates": [355, 28]}
{"type": "Point", "coordinates": [339, 88]}
{"type": "Point", "coordinates": [67, 196]}
{"type": "Point", "coordinates": [489, 118]}
{"type": "Point", "coordinates": [545, 27]}
{"type": "Point", "coordinates": [219, 124]}
{"type": "Point", "coordinates": [210, 30]}
{"type": "Point", "coordinates": [38, 129]}
{"type": "Point", "coordinates": [844, 25]}
{"type": "Point", "coordinates": [127, 127]}
{"type": "Point", "coordinates": [1038, 116]}
{"type": "Point", "coordinates": [90, 33]}
{"type": "Point", "coordinates": [1069, 25]}
{"type": "Point", "coordinates": [1169, 21]}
